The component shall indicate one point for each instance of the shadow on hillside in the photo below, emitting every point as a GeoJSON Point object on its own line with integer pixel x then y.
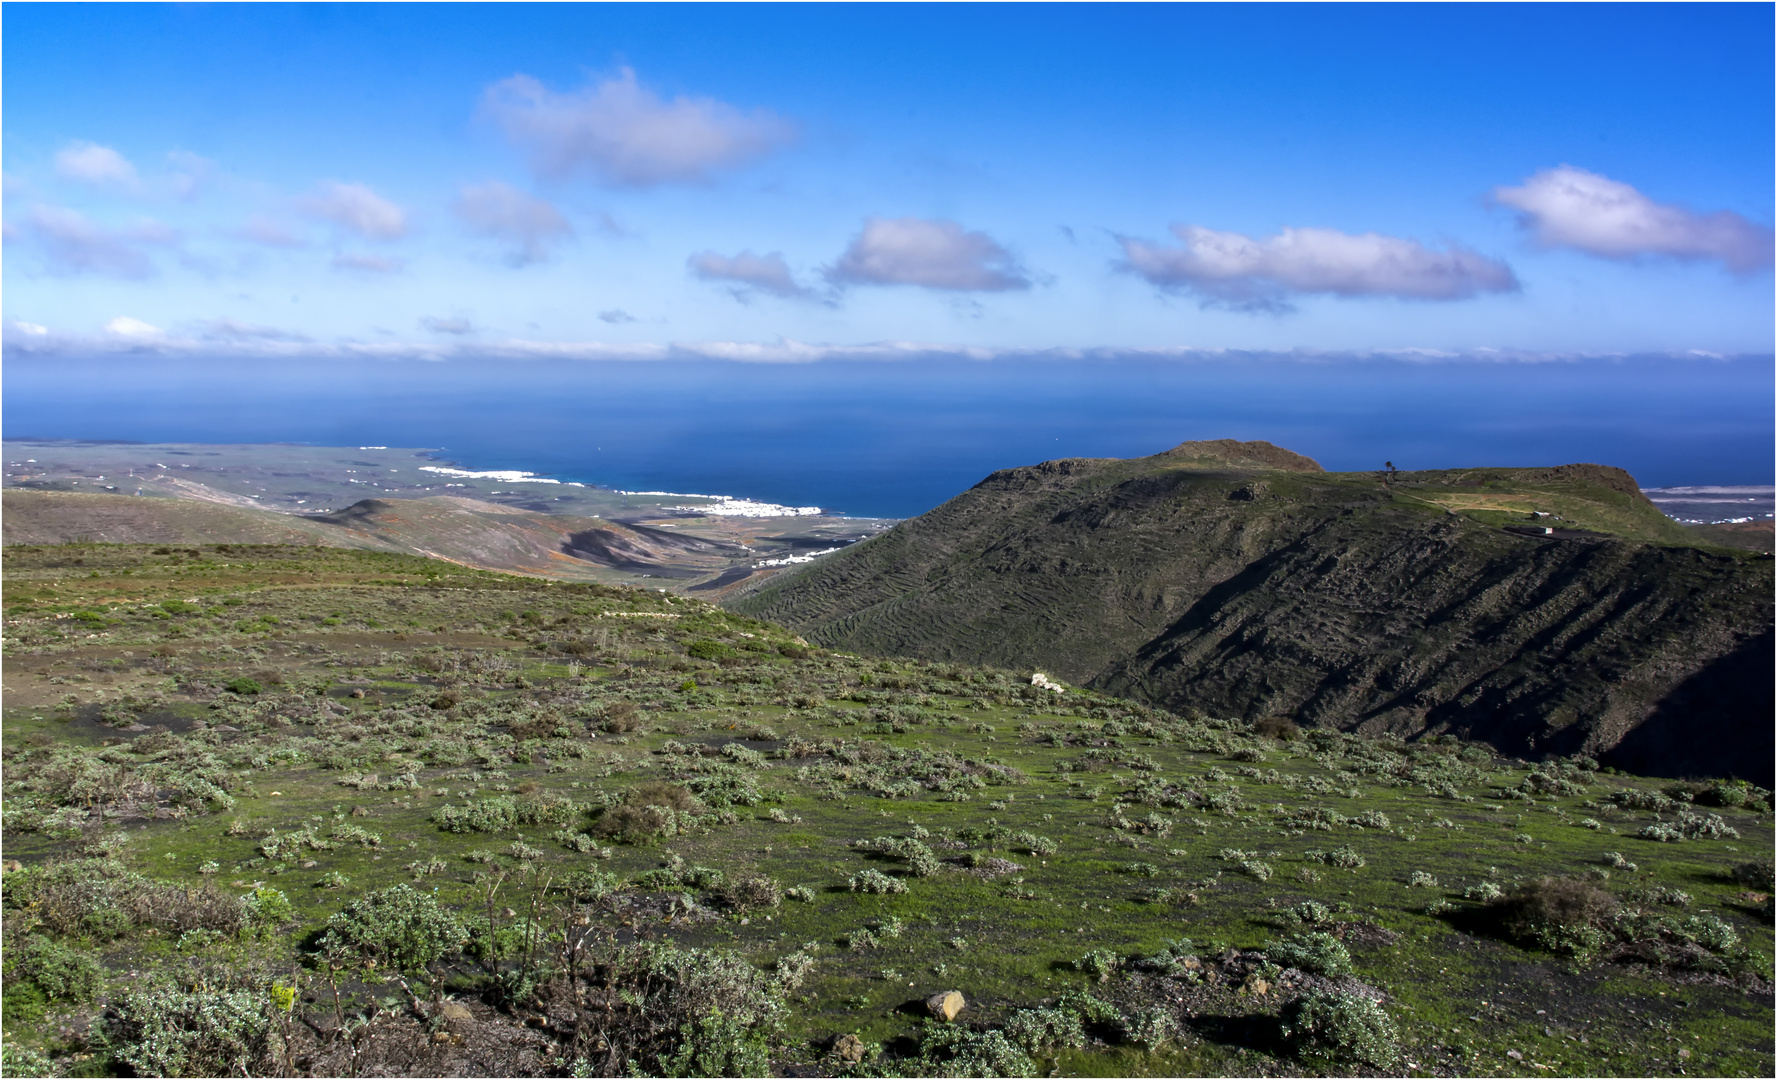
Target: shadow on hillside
{"type": "Point", "coordinates": [1732, 700]}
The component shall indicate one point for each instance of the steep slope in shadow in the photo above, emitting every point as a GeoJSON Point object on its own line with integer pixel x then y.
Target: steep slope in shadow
{"type": "Point", "coordinates": [1536, 646]}
{"type": "Point", "coordinates": [1207, 577]}
{"type": "Point", "coordinates": [1715, 723]}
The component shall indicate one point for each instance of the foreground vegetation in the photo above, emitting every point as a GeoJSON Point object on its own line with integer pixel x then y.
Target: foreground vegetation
{"type": "Point", "coordinates": [320, 812]}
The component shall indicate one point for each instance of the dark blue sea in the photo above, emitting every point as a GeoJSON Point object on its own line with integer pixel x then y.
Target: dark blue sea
{"type": "Point", "coordinates": [893, 439]}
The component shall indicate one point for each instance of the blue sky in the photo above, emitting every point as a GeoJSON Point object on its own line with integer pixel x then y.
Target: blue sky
{"type": "Point", "coordinates": [767, 182]}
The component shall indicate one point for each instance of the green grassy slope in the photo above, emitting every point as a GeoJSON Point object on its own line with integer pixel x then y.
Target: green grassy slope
{"type": "Point", "coordinates": [1073, 843]}
{"type": "Point", "coordinates": [61, 517]}
{"type": "Point", "coordinates": [1198, 579]}
{"type": "Point", "coordinates": [466, 531]}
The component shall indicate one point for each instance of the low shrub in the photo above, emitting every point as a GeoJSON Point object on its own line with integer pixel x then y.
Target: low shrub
{"type": "Point", "coordinates": [1035, 1030]}
{"type": "Point", "coordinates": [1309, 913]}
{"type": "Point", "coordinates": [791, 970]}
{"type": "Point", "coordinates": [1281, 728]}
{"type": "Point", "coordinates": [708, 650]}
{"type": "Point", "coordinates": [752, 892]}
{"type": "Point", "coordinates": [1757, 874]}
{"type": "Point", "coordinates": [1100, 964]}
{"type": "Point", "coordinates": [60, 972]}
{"type": "Point", "coordinates": [396, 927]}
{"type": "Point", "coordinates": [1077, 1016]}
{"type": "Point", "coordinates": [1539, 910]}
{"type": "Point", "coordinates": [1689, 826]}
{"type": "Point", "coordinates": [486, 815]}
{"type": "Point", "coordinates": [587, 886]}
{"type": "Point", "coordinates": [166, 1032]}
{"type": "Point", "coordinates": [953, 1050]}
{"type": "Point", "coordinates": [1315, 953]}
{"type": "Point", "coordinates": [1348, 1028]}
{"type": "Point", "coordinates": [1346, 858]}
{"type": "Point", "coordinates": [620, 717]}
{"type": "Point", "coordinates": [649, 812]}
{"type": "Point", "coordinates": [875, 881]}
{"type": "Point", "coordinates": [105, 899]}
{"type": "Point", "coordinates": [1150, 1027]}
{"type": "Point", "coordinates": [659, 1010]}
{"type": "Point", "coordinates": [1660, 894]}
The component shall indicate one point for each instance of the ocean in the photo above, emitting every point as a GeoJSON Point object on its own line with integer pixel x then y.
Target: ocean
{"type": "Point", "coordinates": [893, 439]}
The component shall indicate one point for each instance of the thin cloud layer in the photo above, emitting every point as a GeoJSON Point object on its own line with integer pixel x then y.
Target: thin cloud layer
{"type": "Point", "coordinates": [931, 254]}
{"type": "Point", "coordinates": [1258, 274]}
{"type": "Point", "coordinates": [454, 325]}
{"type": "Point", "coordinates": [626, 135]}
{"type": "Point", "coordinates": [70, 243]}
{"type": "Point", "coordinates": [191, 174]}
{"type": "Point", "coordinates": [764, 273]}
{"type": "Point", "coordinates": [260, 229]}
{"type": "Point", "coordinates": [229, 330]}
{"type": "Point", "coordinates": [527, 224]}
{"type": "Point", "coordinates": [1573, 208]}
{"type": "Point", "coordinates": [370, 264]}
{"type": "Point", "coordinates": [357, 209]}
{"type": "Point", "coordinates": [223, 340]}
{"type": "Point", "coordinates": [99, 166]}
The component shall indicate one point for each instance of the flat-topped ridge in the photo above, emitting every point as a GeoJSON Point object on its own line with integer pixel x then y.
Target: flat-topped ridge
{"type": "Point", "coordinates": [1257, 454]}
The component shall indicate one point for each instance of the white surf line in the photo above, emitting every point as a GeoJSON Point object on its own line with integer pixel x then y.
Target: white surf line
{"type": "Point", "coordinates": [505, 476]}
{"type": "Point", "coordinates": [723, 505]}
{"type": "Point", "coordinates": [730, 505]}
{"type": "Point", "coordinates": [791, 560]}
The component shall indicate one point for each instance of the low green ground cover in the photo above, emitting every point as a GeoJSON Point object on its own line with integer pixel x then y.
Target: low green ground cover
{"type": "Point", "coordinates": [481, 825]}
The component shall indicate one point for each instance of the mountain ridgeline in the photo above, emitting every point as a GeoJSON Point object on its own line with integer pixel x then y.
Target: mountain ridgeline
{"type": "Point", "coordinates": [1546, 611]}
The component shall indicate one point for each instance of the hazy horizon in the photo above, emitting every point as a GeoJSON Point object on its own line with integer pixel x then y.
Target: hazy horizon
{"type": "Point", "coordinates": [895, 439]}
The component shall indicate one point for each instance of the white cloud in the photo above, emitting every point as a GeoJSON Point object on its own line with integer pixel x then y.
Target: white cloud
{"type": "Point", "coordinates": [524, 221]}
{"type": "Point", "coordinates": [100, 166]}
{"type": "Point", "coordinates": [616, 316]}
{"type": "Point", "coordinates": [932, 254]}
{"type": "Point", "coordinates": [356, 208]}
{"type": "Point", "coordinates": [30, 329]}
{"type": "Point", "coordinates": [263, 230]}
{"type": "Point", "coordinates": [454, 325]}
{"type": "Point", "coordinates": [765, 273]}
{"type": "Point", "coordinates": [1257, 274]}
{"type": "Point", "coordinates": [72, 244]}
{"type": "Point", "coordinates": [628, 135]}
{"type": "Point", "coordinates": [125, 327]}
{"type": "Point", "coordinates": [1569, 207]}
{"type": "Point", "coordinates": [370, 264]}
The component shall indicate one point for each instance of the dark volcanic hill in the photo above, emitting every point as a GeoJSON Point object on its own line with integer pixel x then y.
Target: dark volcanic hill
{"type": "Point", "coordinates": [1546, 610]}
